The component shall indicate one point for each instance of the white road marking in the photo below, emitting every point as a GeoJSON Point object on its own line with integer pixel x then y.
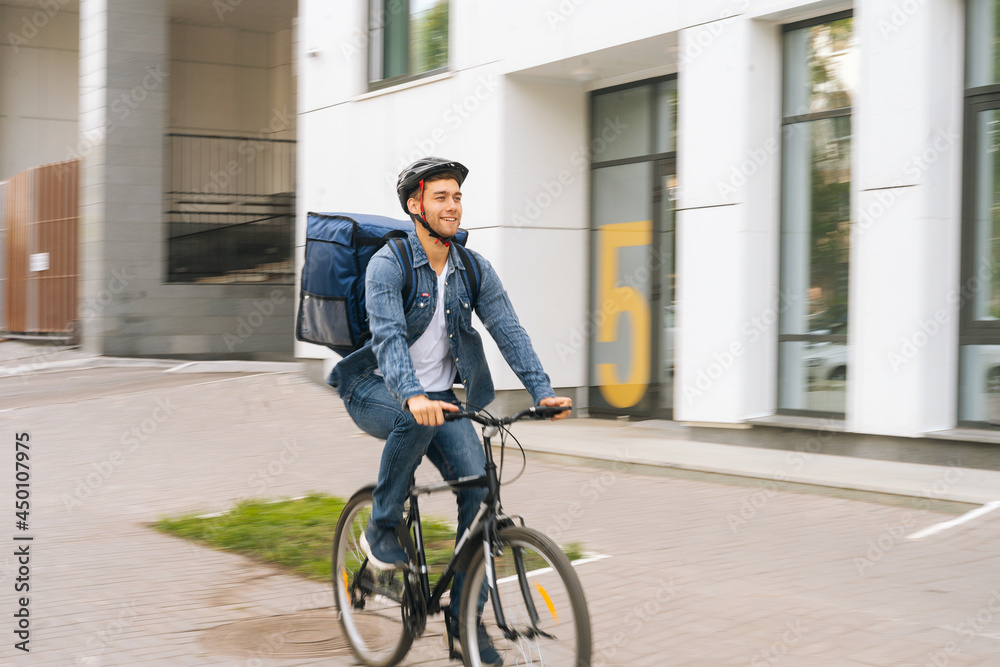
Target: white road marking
{"type": "Point", "coordinates": [945, 525]}
{"type": "Point", "coordinates": [545, 570]}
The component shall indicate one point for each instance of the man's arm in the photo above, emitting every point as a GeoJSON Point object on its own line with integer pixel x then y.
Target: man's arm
{"type": "Point", "coordinates": [387, 322]}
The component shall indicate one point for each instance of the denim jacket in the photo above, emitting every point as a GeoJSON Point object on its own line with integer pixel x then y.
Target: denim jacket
{"type": "Point", "coordinates": [393, 331]}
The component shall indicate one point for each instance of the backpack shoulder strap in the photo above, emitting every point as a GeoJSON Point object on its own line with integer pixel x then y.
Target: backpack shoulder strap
{"type": "Point", "coordinates": [401, 249]}
{"type": "Point", "coordinates": [473, 276]}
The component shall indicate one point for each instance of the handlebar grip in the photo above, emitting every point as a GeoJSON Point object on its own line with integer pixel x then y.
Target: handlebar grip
{"type": "Point", "coordinates": [461, 414]}
{"type": "Point", "coordinates": [547, 411]}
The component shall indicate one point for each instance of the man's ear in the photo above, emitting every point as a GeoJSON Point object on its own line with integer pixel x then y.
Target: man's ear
{"type": "Point", "coordinates": [413, 205]}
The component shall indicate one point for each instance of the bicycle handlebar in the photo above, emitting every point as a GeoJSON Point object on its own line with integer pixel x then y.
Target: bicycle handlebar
{"type": "Point", "coordinates": [534, 412]}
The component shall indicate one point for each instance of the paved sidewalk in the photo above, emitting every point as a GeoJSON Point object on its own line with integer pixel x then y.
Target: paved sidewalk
{"type": "Point", "coordinates": [699, 573]}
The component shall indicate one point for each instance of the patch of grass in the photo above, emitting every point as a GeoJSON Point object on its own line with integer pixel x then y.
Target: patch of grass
{"type": "Point", "coordinates": [574, 551]}
{"type": "Point", "coordinates": [295, 534]}
{"type": "Point", "coordinates": [298, 534]}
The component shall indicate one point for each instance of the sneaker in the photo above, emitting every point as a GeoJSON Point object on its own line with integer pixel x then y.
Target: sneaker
{"type": "Point", "coordinates": [487, 652]}
{"type": "Point", "coordinates": [381, 545]}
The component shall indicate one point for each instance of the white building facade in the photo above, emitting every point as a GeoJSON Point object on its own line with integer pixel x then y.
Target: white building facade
{"type": "Point", "coordinates": [723, 213]}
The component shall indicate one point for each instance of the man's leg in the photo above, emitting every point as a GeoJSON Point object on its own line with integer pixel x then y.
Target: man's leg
{"type": "Point", "coordinates": [377, 413]}
{"type": "Point", "coordinates": [456, 451]}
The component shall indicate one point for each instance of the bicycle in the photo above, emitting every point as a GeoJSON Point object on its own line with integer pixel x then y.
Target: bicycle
{"type": "Point", "coordinates": [536, 613]}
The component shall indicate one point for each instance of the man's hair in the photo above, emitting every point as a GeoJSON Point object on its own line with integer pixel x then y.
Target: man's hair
{"type": "Point", "coordinates": [436, 176]}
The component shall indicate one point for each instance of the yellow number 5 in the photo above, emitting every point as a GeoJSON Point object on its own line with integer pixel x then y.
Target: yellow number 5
{"type": "Point", "coordinates": [617, 301]}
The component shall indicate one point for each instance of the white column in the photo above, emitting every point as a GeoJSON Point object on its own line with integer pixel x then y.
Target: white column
{"type": "Point", "coordinates": [728, 172]}
{"type": "Point", "coordinates": [906, 202]}
{"type": "Point", "coordinates": [123, 107]}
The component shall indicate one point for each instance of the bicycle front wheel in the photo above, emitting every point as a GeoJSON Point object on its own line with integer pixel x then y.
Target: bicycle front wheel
{"type": "Point", "coordinates": [541, 600]}
{"type": "Point", "coordinates": [369, 601]}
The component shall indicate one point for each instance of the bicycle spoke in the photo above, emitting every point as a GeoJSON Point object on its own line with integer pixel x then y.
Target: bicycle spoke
{"type": "Point", "coordinates": [369, 600]}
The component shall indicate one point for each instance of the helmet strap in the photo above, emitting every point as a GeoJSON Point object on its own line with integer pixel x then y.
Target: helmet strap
{"type": "Point", "coordinates": [423, 220]}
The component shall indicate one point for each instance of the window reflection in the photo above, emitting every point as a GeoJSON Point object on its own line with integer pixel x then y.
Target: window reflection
{"type": "Point", "coordinates": [820, 68]}
{"type": "Point", "coordinates": [987, 216]}
{"type": "Point", "coordinates": [983, 40]}
{"type": "Point", "coordinates": [820, 78]}
{"type": "Point", "coordinates": [980, 384]}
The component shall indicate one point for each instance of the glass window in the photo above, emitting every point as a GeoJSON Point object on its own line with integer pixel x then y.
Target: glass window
{"type": "Point", "coordinates": [634, 189]}
{"type": "Point", "coordinates": [979, 330]}
{"type": "Point", "coordinates": [820, 67]}
{"type": "Point", "coordinates": [622, 280]}
{"type": "Point", "coordinates": [621, 124]}
{"type": "Point", "coordinates": [407, 39]}
{"type": "Point", "coordinates": [666, 116]}
{"type": "Point", "coordinates": [820, 76]}
{"type": "Point", "coordinates": [980, 372]}
{"type": "Point", "coordinates": [983, 43]}
{"type": "Point", "coordinates": [986, 215]}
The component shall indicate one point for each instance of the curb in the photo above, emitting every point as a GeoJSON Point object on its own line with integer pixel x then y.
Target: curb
{"type": "Point", "coordinates": [168, 366]}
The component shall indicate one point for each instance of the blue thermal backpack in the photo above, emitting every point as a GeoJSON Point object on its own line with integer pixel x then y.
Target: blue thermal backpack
{"type": "Point", "coordinates": [332, 309]}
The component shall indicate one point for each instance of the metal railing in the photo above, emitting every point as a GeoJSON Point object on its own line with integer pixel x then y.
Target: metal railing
{"type": "Point", "coordinates": [230, 209]}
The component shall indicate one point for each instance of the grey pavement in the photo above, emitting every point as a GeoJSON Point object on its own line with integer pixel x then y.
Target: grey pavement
{"type": "Point", "coordinates": [714, 555]}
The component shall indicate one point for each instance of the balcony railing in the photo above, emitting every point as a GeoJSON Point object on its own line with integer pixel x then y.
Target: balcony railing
{"type": "Point", "coordinates": [230, 209]}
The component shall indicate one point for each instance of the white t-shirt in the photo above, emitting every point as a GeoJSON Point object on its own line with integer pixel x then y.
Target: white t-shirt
{"type": "Point", "coordinates": [431, 353]}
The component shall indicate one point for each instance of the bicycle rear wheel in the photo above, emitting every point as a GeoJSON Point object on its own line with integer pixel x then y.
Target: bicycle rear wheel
{"type": "Point", "coordinates": [541, 600]}
{"type": "Point", "coordinates": [369, 601]}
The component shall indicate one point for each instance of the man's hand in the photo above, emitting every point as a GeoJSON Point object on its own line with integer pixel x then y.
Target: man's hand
{"type": "Point", "coordinates": [560, 402]}
{"type": "Point", "coordinates": [428, 412]}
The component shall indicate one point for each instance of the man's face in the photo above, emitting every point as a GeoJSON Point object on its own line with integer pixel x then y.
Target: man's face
{"type": "Point", "coordinates": [442, 206]}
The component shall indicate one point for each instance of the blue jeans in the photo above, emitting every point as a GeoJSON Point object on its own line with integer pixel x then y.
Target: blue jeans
{"type": "Point", "coordinates": [452, 447]}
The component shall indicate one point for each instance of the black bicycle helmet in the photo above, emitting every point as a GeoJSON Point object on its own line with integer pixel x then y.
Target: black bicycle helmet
{"type": "Point", "coordinates": [414, 176]}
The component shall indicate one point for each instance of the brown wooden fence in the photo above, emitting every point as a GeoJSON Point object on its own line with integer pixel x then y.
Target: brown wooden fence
{"type": "Point", "coordinates": [39, 221]}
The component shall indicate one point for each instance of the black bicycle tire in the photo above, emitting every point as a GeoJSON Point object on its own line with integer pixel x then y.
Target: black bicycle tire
{"type": "Point", "coordinates": [362, 497]}
{"type": "Point", "coordinates": [542, 543]}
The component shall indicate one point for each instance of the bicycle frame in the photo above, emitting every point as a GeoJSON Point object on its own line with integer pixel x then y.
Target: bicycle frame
{"type": "Point", "coordinates": [487, 519]}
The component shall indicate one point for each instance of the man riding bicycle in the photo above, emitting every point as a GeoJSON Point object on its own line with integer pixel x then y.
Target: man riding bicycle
{"type": "Point", "coordinates": [398, 386]}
